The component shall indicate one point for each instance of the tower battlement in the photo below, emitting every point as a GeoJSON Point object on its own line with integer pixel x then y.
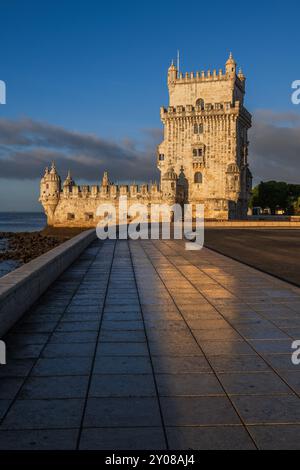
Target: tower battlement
{"type": "Point", "coordinates": [211, 86]}
{"type": "Point", "coordinates": [205, 76]}
{"type": "Point", "coordinates": [209, 109]}
{"type": "Point", "coordinates": [229, 73]}
{"type": "Point", "coordinates": [203, 158]}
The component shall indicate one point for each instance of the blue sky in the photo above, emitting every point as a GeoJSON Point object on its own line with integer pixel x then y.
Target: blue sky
{"type": "Point", "coordinates": [100, 67]}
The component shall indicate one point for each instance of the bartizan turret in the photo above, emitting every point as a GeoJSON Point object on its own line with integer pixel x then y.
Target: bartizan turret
{"type": "Point", "coordinates": [172, 74]}
{"type": "Point", "coordinates": [50, 189]}
{"type": "Point", "coordinates": [230, 67]}
{"type": "Point", "coordinates": [169, 185]}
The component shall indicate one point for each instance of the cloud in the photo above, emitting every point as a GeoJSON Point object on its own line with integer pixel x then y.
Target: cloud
{"type": "Point", "coordinates": [275, 146]}
{"type": "Point", "coordinates": [27, 146]}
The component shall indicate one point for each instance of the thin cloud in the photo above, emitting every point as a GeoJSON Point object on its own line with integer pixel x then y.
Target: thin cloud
{"type": "Point", "coordinates": [275, 146]}
{"type": "Point", "coordinates": [28, 146]}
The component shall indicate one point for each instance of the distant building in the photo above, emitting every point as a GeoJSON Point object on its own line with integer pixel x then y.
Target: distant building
{"type": "Point", "coordinates": [202, 159]}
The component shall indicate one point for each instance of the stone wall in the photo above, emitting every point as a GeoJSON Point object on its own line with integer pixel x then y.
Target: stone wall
{"type": "Point", "coordinates": [22, 287]}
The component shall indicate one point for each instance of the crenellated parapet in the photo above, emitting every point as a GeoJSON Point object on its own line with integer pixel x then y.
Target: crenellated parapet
{"type": "Point", "coordinates": [111, 191]}
{"type": "Point", "coordinates": [76, 205]}
{"type": "Point", "coordinates": [206, 109]}
{"type": "Point", "coordinates": [204, 76]}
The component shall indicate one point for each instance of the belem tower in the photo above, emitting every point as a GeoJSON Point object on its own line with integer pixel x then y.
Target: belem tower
{"type": "Point", "coordinates": [202, 159]}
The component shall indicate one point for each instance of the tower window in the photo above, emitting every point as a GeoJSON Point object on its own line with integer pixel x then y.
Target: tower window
{"type": "Point", "coordinates": [198, 128]}
{"type": "Point", "coordinates": [198, 177]}
{"type": "Point", "coordinates": [200, 102]}
{"type": "Point", "coordinates": [197, 152]}
{"type": "Point", "coordinates": [161, 156]}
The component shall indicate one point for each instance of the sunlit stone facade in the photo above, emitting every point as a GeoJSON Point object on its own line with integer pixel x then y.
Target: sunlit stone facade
{"type": "Point", "coordinates": [202, 159]}
{"type": "Point", "coordinates": [205, 139]}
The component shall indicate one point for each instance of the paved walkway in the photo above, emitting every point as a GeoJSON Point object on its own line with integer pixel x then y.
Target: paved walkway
{"type": "Point", "coordinates": [143, 345]}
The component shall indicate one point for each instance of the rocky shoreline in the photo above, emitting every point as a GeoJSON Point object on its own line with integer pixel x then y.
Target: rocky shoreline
{"type": "Point", "coordinates": [23, 247]}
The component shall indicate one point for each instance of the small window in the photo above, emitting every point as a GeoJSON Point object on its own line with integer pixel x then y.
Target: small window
{"type": "Point", "coordinates": [198, 177]}
{"type": "Point", "coordinates": [197, 152]}
{"type": "Point", "coordinates": [88, 216]}
{"type": "Point", "coordinates": [161, 156]}
{"type": "Point", "coordinates": [70, 216]}
{"type": "Point", "coordinates": [198, 128]}
{"type": "Point", "coordinates": [200, 102]}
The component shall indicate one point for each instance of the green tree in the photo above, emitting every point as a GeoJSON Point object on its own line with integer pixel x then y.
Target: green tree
{"type": "Point", "coordinates": [273, 195]}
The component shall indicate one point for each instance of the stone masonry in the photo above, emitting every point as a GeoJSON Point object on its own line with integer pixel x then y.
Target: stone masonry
{"type": "Point", "coordinates": [203, 158]}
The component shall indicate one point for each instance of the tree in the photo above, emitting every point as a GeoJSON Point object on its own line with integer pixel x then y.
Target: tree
{"type": "Point", "coordinates": [274, 195]}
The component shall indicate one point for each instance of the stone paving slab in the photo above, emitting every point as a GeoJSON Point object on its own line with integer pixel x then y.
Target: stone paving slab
{"type": "Point", "coordinates": [144, 345]}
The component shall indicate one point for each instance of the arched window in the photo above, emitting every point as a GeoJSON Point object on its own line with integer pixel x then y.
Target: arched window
{"type": "Point", "coordinates": [200, 102]}
{"type": "Point", "coordinates": [198, 177]}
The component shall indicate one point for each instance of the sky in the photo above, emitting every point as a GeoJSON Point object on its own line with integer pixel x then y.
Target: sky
{"type": "Point", "coordinates": [85, 81]}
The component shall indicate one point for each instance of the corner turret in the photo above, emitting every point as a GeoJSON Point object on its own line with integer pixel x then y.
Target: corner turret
{"type": "Point", "coordinates": [241, 75]}
{"type": "Point", "coordinates": [230, 66]}
{"type": "Point", "coordinates": [50, 188]}
{"type": "Point", "coordinates": [172, 74]}
{"type": "Point", "coordinates": [105, 180]}
{"type": "Point", "coordinates": [169, 184]}
{"type": "Point", "coordinates": [69, 182]}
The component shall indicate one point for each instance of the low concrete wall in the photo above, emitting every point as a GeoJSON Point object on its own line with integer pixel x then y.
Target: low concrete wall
{"type": "Point", "coordinates": [22, 287]}
{"type": "Point", "coordinates": [252, 224]}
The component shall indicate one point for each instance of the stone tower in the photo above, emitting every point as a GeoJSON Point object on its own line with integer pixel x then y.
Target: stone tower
{"type": "Point", "coordinates": [50, 188]}
{"type": "Point", "coordinates": [205, 140]}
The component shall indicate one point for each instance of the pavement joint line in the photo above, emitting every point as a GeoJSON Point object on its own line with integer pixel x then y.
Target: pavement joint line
{"type": "Point", "coordinates": [228, 321]}
{"type": "Point", "coordinates": [209, 362]}
{"type": "Point", "coordinates": [259, 313]}
{"type": "Point", "coordinates": [148, 348]}
{"type": "Point", "coordinates": [96, 344]}
{"type": "Point", "coordinates": [50, 335]}
{"type": "Point", "coordinates": [134, 257]}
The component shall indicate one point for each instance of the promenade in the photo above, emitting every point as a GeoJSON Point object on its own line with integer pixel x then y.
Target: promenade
{"type": "Point", "coordinates": [144, 345]}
